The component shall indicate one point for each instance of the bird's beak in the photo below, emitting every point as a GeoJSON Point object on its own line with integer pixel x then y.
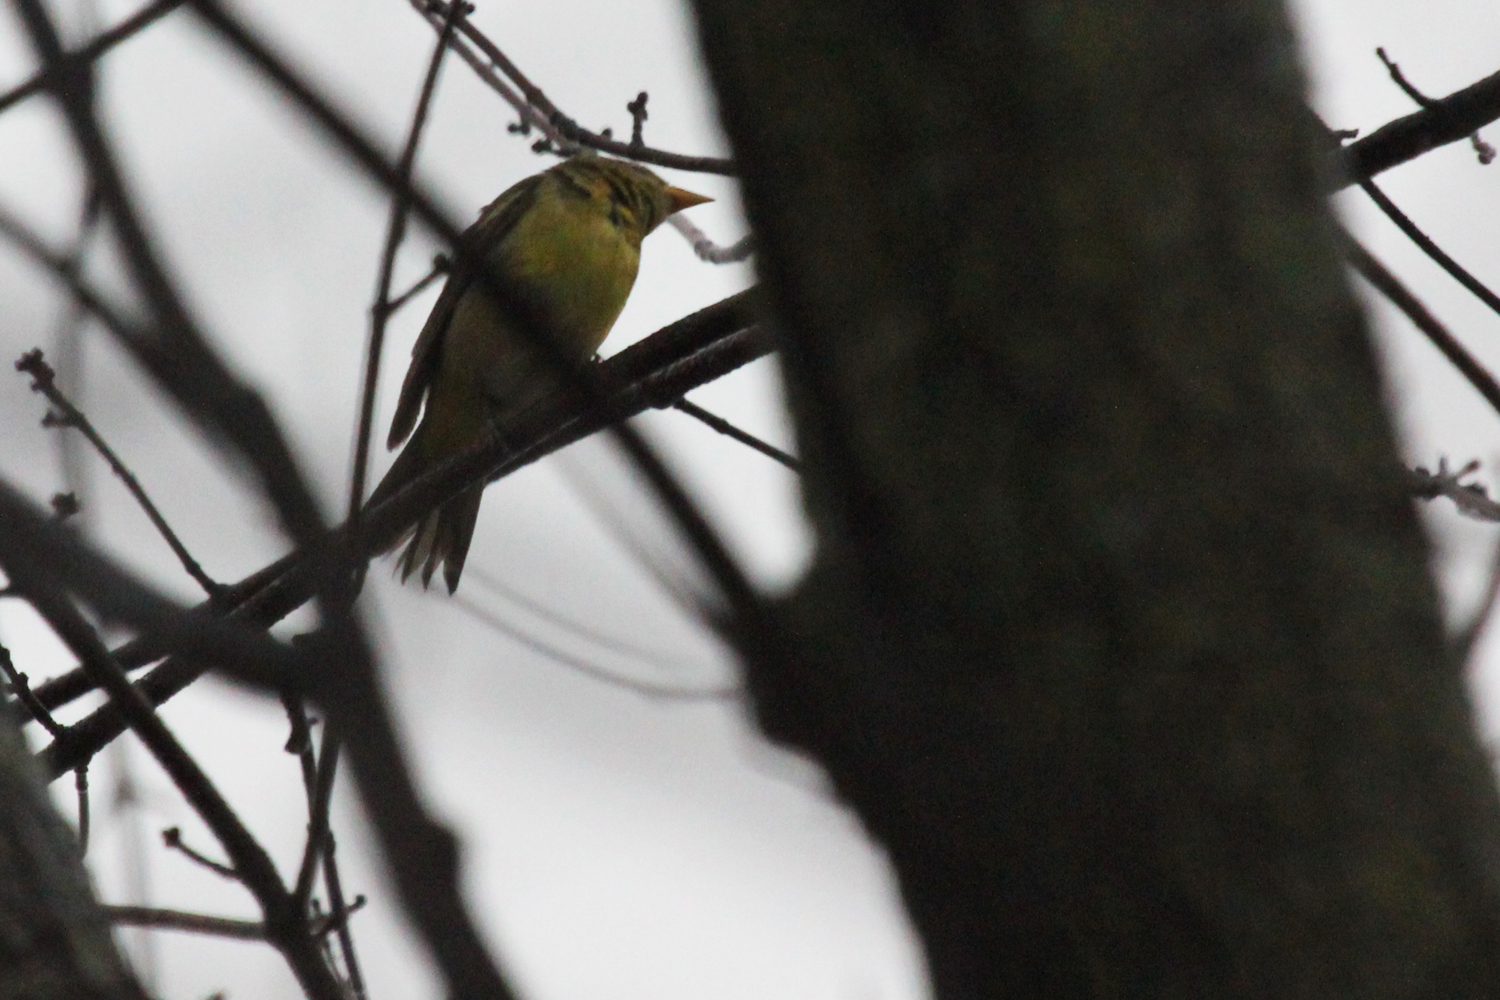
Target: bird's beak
{"type": "Point", "coordinates": [678, 199]}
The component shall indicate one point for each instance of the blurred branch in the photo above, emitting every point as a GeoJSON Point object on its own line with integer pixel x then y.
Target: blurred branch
{"type": "Point", "coordinates": [286, 928]}
{"type": "Point", "coordinates": [707, 249]}
{"type": "Point", "coordinates": [1402, 298]}
{"type": "Point", "coordinates": [649, 689]}
{"type": "Point", "coordinates": [536, 109]}
{"type": "Point", "coordinates": [127, 28]}
{"type": "Point", "coordinates": [1471, 499]}
{"type": "Point", "coordinates": [176, 353]}
{"type": "Point", "coordinates": [177, 920]}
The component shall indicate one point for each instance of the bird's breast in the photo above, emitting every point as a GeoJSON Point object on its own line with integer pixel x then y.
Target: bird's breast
{"type": "Point", "coordinates": [576, 266]}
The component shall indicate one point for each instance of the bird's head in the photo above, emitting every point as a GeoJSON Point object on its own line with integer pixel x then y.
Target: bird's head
{"type": "Point", "coordinates": [633, 198]}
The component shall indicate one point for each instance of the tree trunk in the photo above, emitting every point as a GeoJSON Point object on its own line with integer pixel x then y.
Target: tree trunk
{"type": "Point", "coordinates": [55, 943]}
{"type": "Point", "coordinates": [1119, 635]}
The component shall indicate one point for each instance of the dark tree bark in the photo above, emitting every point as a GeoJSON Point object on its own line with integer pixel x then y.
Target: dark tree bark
{"type": "Point", "coordinates": [54, 940]}
{"type": "Point", "coordinates": [1119, 635]}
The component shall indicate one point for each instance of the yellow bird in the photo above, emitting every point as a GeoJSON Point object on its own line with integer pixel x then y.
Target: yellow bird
{"type": "Point", "coordinates": [565, 244]}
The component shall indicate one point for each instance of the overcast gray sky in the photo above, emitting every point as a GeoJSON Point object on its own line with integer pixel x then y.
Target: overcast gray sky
{"type": "Point", "coordinates": [615, 846]}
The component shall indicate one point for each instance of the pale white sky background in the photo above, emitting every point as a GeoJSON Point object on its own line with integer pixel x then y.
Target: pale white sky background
{"type": "Point", "coordinates": [615, 847]}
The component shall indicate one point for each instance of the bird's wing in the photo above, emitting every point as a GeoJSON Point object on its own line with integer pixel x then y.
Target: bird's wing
{"type": "Point", "coordinates": [498, 219]}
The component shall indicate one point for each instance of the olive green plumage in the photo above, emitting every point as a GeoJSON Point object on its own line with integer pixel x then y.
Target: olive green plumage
{"type": "Point", "coordinates": [564, 245]}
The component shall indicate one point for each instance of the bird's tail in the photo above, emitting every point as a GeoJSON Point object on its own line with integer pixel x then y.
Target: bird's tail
{"type": "Point", "coordinates": [440, 538]}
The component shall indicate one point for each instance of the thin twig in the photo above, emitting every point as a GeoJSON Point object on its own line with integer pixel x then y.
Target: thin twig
{"type": "Point", "coordinates": [320, 796]}
{"type": "Point", "coordinates": [20, 686]}
{"type": "Point", "coordinates": [1401, 297]}
{"type": "Point", "coordinates": [439, 268]}
{"type": "Point", "coordinates": [317, 782]}
{"type": "Point", "coordinates": [396, 231]}
{"type": "Point", "coordinates": [1430, 248]}
{"type": "Point", "coordinates": [660, 692]}
{"type": "Point", "coordinates": [724, 427]}
{"type": "Point", "coordinates": [43, 380]}
{"type": "Point", "coordinates": [1400, 78]}
{"type": "Point", "coordinates": [534, 105]}
{"type": "Point", "coordinates": [339, 913]}
{"type": "Point", "coordinates": [178, 920]}
{"type": "Point", "coordinates": [172, 838]}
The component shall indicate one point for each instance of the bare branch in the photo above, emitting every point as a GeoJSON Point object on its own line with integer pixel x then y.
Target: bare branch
{"type": "Point", "coordinates": [143, 18]}
{"type": "Point", "coordinates": [43, 380]}
{"type": "Point", "coordinates": [176, 354]}
{"type": "Point", "coordinates": [1430, 248]}
{"type": "Point", "coordinates": [1401, 297]}
{"type": "Point", "coordinates": [396, 231]}
{"type": "Point", "coordinates": [285, 927]}
{"type": "Point", "coordinates": [1484, 150]}
{"type": "Point", "coordinates": [724, 427]}
{"type": "Point", "coordinates": [1449, 119]}
{"type": "Point", "coordinates": [177, 920]}
{"type": "Point", "coordinates": [534, 106]}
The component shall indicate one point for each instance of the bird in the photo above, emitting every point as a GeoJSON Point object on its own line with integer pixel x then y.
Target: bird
{"type": "Point", "coordinates": [560, 251]}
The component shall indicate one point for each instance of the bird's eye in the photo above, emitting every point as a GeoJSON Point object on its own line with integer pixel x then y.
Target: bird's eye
{"type": "Point", "coordinates": [616, 217]}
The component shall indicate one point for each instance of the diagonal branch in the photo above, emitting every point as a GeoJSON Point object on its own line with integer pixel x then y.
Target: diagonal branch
{"type": "Point", "coordinates": [1379, 276]}
{"type": "Point", "coordinates": [1449, 119]}
{"type": "Point", "coordinates": [653, 373]}
{"type": "Point", "coordinates": [128, 28]}
{"type": "Point", "coordinates": [1431, 249]}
